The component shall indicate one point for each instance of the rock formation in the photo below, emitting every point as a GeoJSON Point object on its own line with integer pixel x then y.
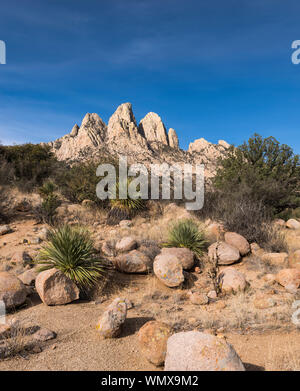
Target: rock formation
{"type": "Point", "coordinates": [153, 129]}
{"type": "Point", "coordinates": [145, 143]}
{"type": "Point", "coordinates": [173, 138]}
{"type": "Point", "coordinates": [88, 137]}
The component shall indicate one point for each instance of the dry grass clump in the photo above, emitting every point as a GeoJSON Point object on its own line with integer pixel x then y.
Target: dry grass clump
{"type": "Point", "coordinates": [18, 340]}
{"type": "Point", "coordinates": [283, 359]}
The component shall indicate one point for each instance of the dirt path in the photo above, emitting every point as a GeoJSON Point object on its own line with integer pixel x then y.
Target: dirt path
{"type": "Point", "coordinates": [78, 346]}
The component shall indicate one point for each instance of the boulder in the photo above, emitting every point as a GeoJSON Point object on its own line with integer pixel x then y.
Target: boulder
{"type": "Point", "coordinates": [21, 257]}
{"type": "Point", "coordinates": [223, 253]}
{"type": "Point", "coordinates": [133, 262]}
{"type": "Point", "coordinates": [152, 339]}
{"type": "Point", "coordinates": [289, 278]}
{"type": "Point", "coordinates": [111, 321]}
{"type": "Point", "coordinates": [44, 335]}
{"type": "Point", "coordinates": [168, 270]}
{"type": "Point", "coordinates": [4, 229]}
{"type": "Point", "coordinates": [43, 234]}
{"type": "Point", "coordinates": [126, 244]}
{"type": "Point", "coordinates": [12, 290]}
{"type": "Point", "coordinates": [28, 277]}
{"type": "Point", "coordinates": [54, 288]}
{"type": "Point", "coordinates": [212, 295]}
{"type": "Point", "coordinates": [215, 231]}
{"type": "Point", "coordinates": [238, 241]}
{"type": "Point", "coordinates": [255, 248]}
{"type": "Point", "coordinates": [270, 278]}
{"type": "Point", "coordinates": [232, 280]}
{"type": "Point", "coordinates": [294, 259]}
{"type": "Point", "coordinates": [195, 351]}
{"type": "Point", "coordinates": [183, 255]}
{"type": "Point", "coordinates": [108, 248]}
{"type": "Point", "coordinates": [293, 224]}
{"type": "Point", "coordinates": [198, 298]}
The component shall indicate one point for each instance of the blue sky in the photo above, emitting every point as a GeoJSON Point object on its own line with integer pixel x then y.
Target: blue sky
{"type": "Point", "coordinates": [217, 69]}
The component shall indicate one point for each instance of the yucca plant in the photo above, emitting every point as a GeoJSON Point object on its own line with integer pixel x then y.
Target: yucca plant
{"type": "Point", "coordinates": [122, 209]}
{"type": "Point", "coordinates": [186, 233]}
{"type": "Point", "coordinates": [47, 189]}
{"type": "Point", "coordinates": [70, 250]}
{"type": "Point", "coordinates": [128, 204]}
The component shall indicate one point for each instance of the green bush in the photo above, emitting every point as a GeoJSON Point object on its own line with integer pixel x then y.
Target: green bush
{"type": "Point", "coordinates": [240, 213]}
{"type": "Point", "coordinates": [122, 209]}
{"type": "Point", "coordinates": [186, 234]}
{"type": "Point", "coordinates": [27, 165]}
{"type": "Point", "coordinates": [46, 211]}
{"type": "Point", "coordinates": [78, 183]}
{"type": "Point", "coordinates": [71, 250]}
{"type": "Point", "coordinates": [262, 170]}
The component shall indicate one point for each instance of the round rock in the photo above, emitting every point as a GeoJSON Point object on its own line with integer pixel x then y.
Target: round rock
{"type": "Point", "coordinates": [238, 241]}
{"type": "Point", "coordinates": [152, 339]}
{"type": "Point", "coordinates": [54, 288]}
{"type": "Point", "coordinates": [231, 280]}
{"type": "Point", "coordinates": [126, 244]}
{"type": "Point", "coordinates": [12, 290]}
{"type": "Point", "coordinates": [133, 262]}
{"type": "Point", "coordinates": [183, 255]}
{"type": "Point", "coordinates": [289, 278]}
{"type": "Point", "coordinates": [110, 323]}
{"type": "Point", "coordinates": [195, 351]}
{"type": "Point", "coordinates": [168, 270]}
{"type": "Point", "coordinates": [223, 253]}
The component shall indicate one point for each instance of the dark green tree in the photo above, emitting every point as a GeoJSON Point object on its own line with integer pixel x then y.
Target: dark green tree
{"type": "Point", "coordinates": [264, 170]}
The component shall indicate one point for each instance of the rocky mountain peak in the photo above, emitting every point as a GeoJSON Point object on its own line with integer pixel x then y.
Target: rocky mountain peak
{"type": "Point", "coordinates": [147, 143]}
{"type": "Point", "coordinates": [153, 129]}
{"type": "Point", "coordinates": [122, 130]}
{"type": "Point", "coordinates": [122, 117]}
{"type": "Point", "coordinates": [74, 131]}
{"type": "Point", "coordinates": [173, 139]}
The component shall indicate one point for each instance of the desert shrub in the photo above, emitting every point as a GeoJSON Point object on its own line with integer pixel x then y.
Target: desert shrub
{"type": "Point", "coordinates": [240, 213]}
{"type": "Point", "coordinates": [186, 233]}
{"type": "Point", "coordinates": [71, 250]}
{"type": "Point", "coordinates": [46, 211]}
{"type": "Point", "coordinates": [78, 183]}
{"type": "Point", "coordinates": [264, 170]}
{"type": "Point", "coordinates": [275, 239]}
{"type": "Point", "coordinates": [122, 209]}
{"type": "Point", "coordinates": [26, 165]}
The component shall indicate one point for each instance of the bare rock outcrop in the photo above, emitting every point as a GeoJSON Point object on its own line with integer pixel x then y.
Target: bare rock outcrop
{"type": "Point", "coordinates": [87, 138]}
{"type": "Point", "coordinates": [173, 138]}
{"type": "Point", "coordinates": [153, 129]}
{"type": "Point", "coordinates": [122, 131]}
{"type": "Point", "coordinates": [147, 143]}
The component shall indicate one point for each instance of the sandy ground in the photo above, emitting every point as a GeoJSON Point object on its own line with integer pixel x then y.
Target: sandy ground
{"type": "Point", "coordinates": [264, 339]}
{"type": "Point", "coordinates": [78, 346]}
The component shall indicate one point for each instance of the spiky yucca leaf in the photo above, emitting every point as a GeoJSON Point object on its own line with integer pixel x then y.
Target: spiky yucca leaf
{"type": "Point", "coordinates": [128, 204]}
{"type": "Point", "coordinates": [186, 233]}
{"type": "Point", "coordinates": [71, 250]}
{"type": "Point", "coordinates": [47, 189]}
